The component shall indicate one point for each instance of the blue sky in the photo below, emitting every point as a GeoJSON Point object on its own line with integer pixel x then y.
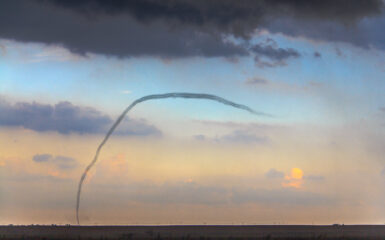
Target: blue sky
{"type": "Point", "coordinates": [36, 72]}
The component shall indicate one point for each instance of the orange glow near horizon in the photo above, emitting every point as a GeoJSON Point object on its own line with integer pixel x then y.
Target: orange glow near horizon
{"type": "Point", "coordinates": [295, 179]}
{"type": "Point", "coordinates": [296, 173]}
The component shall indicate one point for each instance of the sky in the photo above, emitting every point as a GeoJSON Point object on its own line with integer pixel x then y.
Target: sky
{"type": "Point", "coordinates": [315, 69]}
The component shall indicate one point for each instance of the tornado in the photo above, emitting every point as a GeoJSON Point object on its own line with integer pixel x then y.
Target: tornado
{"type": "Point", "coordinates": [147, 98]}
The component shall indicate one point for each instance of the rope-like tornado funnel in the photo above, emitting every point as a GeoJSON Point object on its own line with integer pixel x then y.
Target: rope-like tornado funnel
{"type": "Point", "coordinates": [146, 98]}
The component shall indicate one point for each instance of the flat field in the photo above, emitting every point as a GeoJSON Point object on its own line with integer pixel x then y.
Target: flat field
{"type": "Point", "coordinates": [195, 232]}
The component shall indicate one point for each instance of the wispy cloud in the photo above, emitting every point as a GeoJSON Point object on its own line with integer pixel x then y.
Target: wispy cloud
{"type": "Point", "coordinates": [235, 137]}
{"type": "Point", "coordinates": [256, 81]}
{"type": "Point", "coordinates": [241, 136]}
{"type": "Point", "coordinates": [272, 56]}
{"type": "Point", "coordinates": [274, 174]}
{"type": "Point", "coordinates": [60, 162]}
{"type": "Point", "coordinates": [42, 158]}
{"type": "Point", "coordinates": [316, 178]}
{"type": "Point", "coordinates": [238, 125]}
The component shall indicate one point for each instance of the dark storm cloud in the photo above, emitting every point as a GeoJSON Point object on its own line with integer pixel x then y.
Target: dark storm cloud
{"type": "Point", "coordinates": [60, 162]}
{"type": "Point", "coordinates": [115, 34]}
{"type": "Point", "coordinates": [66, 118]}
{"type": "Point", "coordinates": [366, 33]}
{"type": "Point", "coordinates": [185, 28]}
{"type": "Point", "coordinates": [227, 16]}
